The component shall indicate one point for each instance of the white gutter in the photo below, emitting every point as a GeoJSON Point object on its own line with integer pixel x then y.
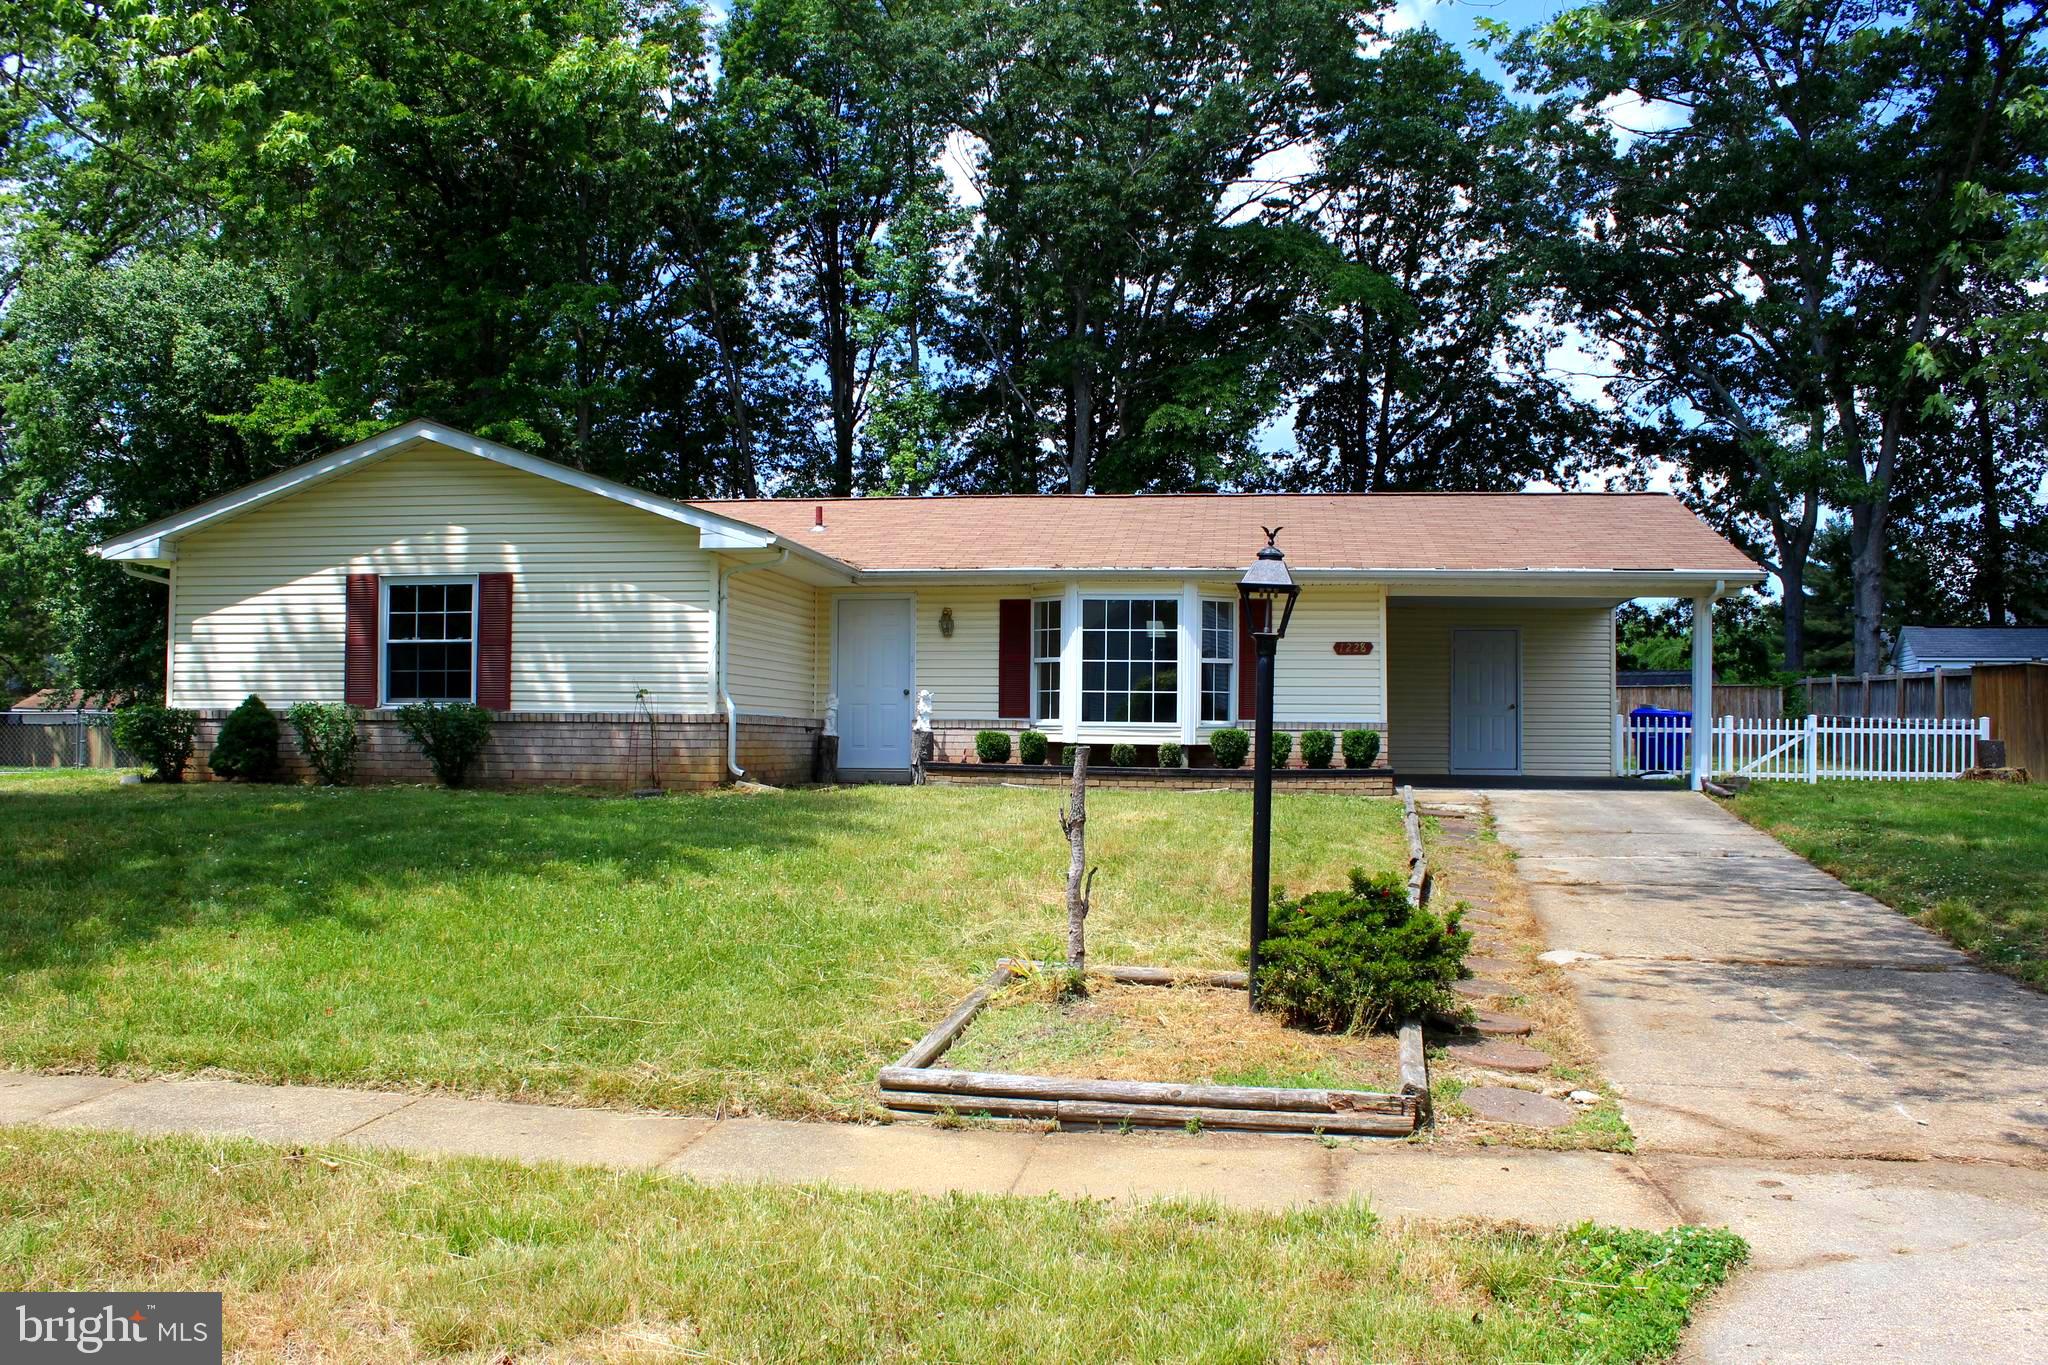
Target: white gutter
{"type": "Point", "coordinates": [161, 580]}
{"type": "Point", "coordinates": [718, 624]}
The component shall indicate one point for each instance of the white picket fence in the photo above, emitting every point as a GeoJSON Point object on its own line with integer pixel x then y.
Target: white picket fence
{"type": "Point", "coordinates": [1803, 750]}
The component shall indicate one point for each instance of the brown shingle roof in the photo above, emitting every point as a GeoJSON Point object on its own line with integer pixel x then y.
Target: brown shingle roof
{"type": "Point", "coordinates": [1396, 531]}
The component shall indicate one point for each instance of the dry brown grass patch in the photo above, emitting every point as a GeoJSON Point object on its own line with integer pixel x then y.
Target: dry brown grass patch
{"type": "Point", "coordinates": [1184, 1033]}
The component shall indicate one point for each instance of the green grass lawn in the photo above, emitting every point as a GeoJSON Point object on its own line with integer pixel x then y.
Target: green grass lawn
{"type": "Point", "coordinates": [758, 953]}
{"type": "Point", "coordinates": [1967, 858]}
{"type": "Point", "coordinates": [349, 1256]}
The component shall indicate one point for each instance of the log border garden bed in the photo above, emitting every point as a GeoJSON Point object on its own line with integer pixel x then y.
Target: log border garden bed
{"type": "Point", "coordinates": [917, 1086]}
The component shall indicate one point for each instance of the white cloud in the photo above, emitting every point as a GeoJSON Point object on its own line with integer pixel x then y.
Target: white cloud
{"type": "Point", "coordinates": [1629, 116]}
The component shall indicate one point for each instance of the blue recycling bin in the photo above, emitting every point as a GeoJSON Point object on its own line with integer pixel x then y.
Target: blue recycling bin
{"type": "Point", "coordinates": [1660, 738]}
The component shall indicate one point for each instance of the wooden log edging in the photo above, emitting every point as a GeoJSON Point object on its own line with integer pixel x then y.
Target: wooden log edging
{"type": "Point", "coordinates": [914, 1085]}
{"type": "Point", "coordinates": [1414, 1055]}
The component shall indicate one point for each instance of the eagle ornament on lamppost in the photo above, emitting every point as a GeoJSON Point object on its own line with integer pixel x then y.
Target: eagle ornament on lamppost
{"type": "Point", "coordinates": [1266, 596]}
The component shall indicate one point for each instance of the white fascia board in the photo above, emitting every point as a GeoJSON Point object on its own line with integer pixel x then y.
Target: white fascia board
{"type": "Point", "coordinates": [152, 551]}
{"type": "Point", "coordinates": [1632, 582]}
{"type": "Point", "coordinates": [715, 532]}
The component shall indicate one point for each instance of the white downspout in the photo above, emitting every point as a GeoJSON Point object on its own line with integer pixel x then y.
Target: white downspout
{"type": "Point", "coordinates": [718, 629]}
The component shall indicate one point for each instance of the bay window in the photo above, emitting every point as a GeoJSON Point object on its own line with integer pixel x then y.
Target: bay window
{"type": "Point", "coordinates": [1130, 652]}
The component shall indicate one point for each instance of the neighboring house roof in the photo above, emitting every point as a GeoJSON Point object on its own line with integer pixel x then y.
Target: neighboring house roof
{"type": "Point", "coordinates": [1973, 644]}
{"type": "Point", "coordinates": [50, 699]}
{"type": "Point", "coordinates": [156, 541]}
{"type": "Point", "coordinates": [1397, 532]}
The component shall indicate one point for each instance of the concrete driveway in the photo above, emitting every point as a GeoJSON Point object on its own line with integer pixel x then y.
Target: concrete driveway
{"type": "Point", "coordinates": [1811, 1068]}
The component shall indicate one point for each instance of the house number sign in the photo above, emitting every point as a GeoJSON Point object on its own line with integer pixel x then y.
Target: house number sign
{"type": "Point", "coordinates": [1352, 647]}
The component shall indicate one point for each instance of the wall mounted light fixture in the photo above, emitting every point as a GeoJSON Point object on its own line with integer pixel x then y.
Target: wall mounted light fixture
{"type": "Point", "coordinates": [946, 623]}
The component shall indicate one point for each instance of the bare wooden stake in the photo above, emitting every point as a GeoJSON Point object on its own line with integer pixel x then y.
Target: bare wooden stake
{"type": "Point", "coordinates": [1080, 881]}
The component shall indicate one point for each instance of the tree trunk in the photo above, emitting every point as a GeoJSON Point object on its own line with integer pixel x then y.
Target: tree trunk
{"type": "Point", "coordinates": [1866, 571]}
{"type": "Point", "coordinates": [1080, 402]}
{"type": "Point", "coordinates": [1991, 590]}
{"type": "Point", "coordinates": [839, 358]}
{"type": "Point", "coordinates": [1074, 821]}
{"type": "Point", "coordinates": [1792, 587]}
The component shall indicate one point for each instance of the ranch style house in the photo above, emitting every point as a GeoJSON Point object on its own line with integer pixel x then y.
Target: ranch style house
{"type": "Point", "coordinates": [637, 640]}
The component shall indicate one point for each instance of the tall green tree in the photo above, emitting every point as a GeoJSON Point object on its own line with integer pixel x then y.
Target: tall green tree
{"type": "Point", "coordinates": [1134, 304]}
{"type": "Point", "coordinates": [1776, 263]}
{"type": "Point", "coordinates": [1437, 195]}
{"type": "Point", "coordinates": [837, 110]}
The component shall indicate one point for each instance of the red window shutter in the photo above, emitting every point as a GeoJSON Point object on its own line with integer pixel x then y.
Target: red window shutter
{"type": "Point", "coordinates": [1013, 657]}
{"type": "Point", "coordinates": [494, 641]}
{"type": "Point", "coordinates": [359, 667]}
{"type": "Point", "coordinates": [1250, 616]}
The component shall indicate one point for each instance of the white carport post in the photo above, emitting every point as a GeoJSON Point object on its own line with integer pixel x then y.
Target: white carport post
{"type": "Point", "coordinates": [1702, 688]}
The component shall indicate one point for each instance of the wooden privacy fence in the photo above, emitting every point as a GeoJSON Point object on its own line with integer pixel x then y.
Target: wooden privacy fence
{"type": "Point", "coordinates": [2015, 696]}
{"type": "Point", "coordinates": [1937, 694]}
{"type": "Point", "coordinates": [1730, 699]}
{"type": "Point", "coordinates": [1803, 750]}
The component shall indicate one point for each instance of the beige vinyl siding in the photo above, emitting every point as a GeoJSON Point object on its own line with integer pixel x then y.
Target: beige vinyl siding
{"type": "Point", "coordinates": [606, 599]}
{"type": "Point", "coordinates": [960, 672]}
{"type": "Point", "coordinates": [1311, 681]}
{"type": "Point", "coordinates": [1567, 666]}
{"type": "Point", "coordinates": [773, 652]}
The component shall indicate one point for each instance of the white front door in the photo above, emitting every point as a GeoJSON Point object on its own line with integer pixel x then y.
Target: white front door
{"type": "Point", "coordinates": [1486, 698]}
{"type": "Point", "coordinates": [873, 642]}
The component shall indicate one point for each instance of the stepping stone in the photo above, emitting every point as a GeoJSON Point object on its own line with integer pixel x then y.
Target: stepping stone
{"type": "Point", "coordinates": [1491, 1025]}
{"type": "Point", "coordinates": [1500, 1054]}
{"type": "Point", "coordinates": [1482, 988]}
{"type": "Point", "coordinates": [1504, 1104]}
{"type": "Point", "coordinates": [1482, 965]}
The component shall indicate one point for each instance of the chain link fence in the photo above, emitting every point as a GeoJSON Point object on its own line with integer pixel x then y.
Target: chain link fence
{"type": "Point", "coordinates": [61, 739]}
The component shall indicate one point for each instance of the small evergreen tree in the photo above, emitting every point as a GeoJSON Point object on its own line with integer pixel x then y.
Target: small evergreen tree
{"type": "Point", "coordinates": [247, 744]}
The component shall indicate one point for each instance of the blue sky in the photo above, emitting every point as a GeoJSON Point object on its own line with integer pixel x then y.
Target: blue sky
{"type": "Point", "coordinates": [1458, 22]}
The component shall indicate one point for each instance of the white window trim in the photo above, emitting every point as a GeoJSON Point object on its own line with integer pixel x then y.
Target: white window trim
{"type": "Point", "coordinates": [1163, 729]}
{"type": "Point", "coordinates": [1059, 658]}
{"type": "Point", "coordinates": [384, 586]}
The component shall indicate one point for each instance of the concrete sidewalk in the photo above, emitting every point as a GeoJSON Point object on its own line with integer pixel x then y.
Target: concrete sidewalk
{"type": "Point", "coordinates": [1245, 1171]}
{"type": "Point", "coordinates": [1852, 1259]}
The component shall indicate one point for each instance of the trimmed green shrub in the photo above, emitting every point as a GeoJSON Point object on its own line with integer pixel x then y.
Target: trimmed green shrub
{"type": "Point", "coordinates": [247, 746]}
{"type": "Point", "coordinates": [1283, 745]}
{"type": "Point", "coordinates": [992, 746]}
{"type": "Point", "coordinates": [1031, 747]}
{"type": "Point", "coordinates": [1361, 958]}
{"type": "Point", "coordinates": [1123, 755]}
{"type": "Point", "coordinates": [1229, 746]}
{"type": "Point", "coordinates": [329, 737]}
{"type": "Point", "coordinates": [160, 735]}
{"type": "Point", "coordinates": [1361, 747]}
{"type": "Point", "coordinates": [450, 734]}
{"type": "Point", "coordinates": [1171, 756]}
{"type": "Point", "coordinates": [1318, 747]}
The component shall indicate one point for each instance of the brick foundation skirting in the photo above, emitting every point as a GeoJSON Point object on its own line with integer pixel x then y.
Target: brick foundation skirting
{"type": "Point", "coordinates": [1339, 781]}
{"type": "Point", "coordinates": [676, 752]}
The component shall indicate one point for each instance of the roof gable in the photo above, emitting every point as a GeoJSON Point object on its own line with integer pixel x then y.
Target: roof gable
{"type": "Point", "coordinates": [156, 541]}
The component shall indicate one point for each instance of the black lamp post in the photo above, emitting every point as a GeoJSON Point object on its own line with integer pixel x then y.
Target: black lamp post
{"type": "Point", "coordinates": [1267, 592]}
